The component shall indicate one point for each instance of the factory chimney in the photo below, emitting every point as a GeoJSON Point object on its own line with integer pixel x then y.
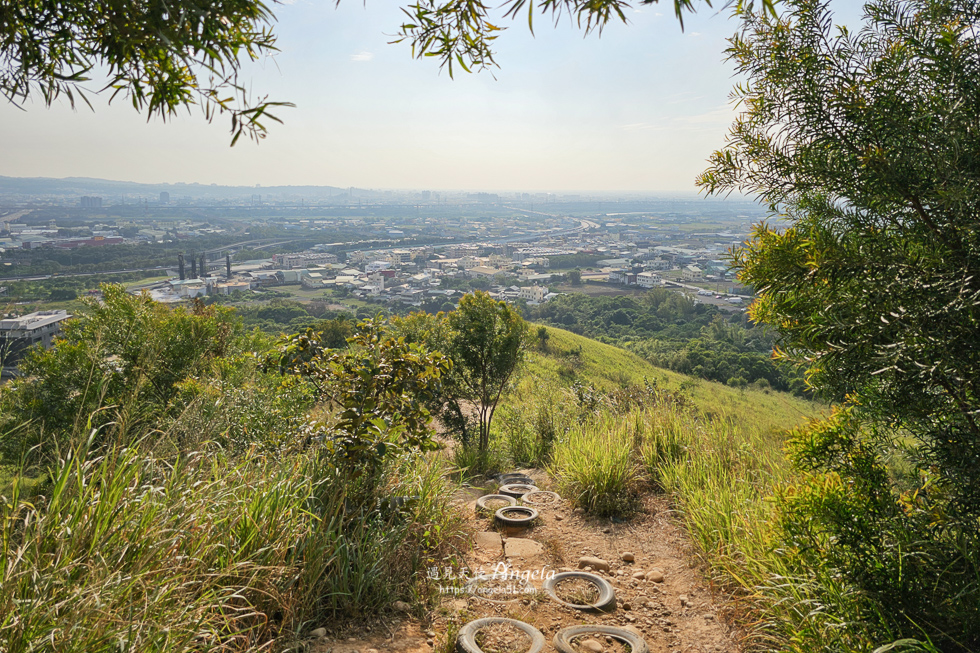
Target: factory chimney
{"type": "Point", "coordinates": [180, 265]}
{"type": "Point", "coordinates": [193, 267]}
{"type": "Point", "coordinates": [228, 263]}
{"type": "Point", "coordinates": [204, 267]}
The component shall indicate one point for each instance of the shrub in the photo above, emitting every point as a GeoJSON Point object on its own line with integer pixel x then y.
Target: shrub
{"type": "Point", "coordinates": [118, 367]}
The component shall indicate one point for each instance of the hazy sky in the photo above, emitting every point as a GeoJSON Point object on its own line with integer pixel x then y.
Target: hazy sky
{"type": "Point", "coordinates": [640, 108]}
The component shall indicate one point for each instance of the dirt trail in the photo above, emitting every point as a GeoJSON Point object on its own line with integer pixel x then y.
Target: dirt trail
{"type": "Point", "coordinates": [677, 614]}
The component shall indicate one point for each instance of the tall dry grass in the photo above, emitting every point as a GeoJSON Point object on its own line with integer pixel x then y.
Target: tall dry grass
{"type": "Point", "coordinates": [725, 478]}
{"type": "Point", "coordinates": [128, 552]}
{"type": "Point", "coordinates": [594, 465]}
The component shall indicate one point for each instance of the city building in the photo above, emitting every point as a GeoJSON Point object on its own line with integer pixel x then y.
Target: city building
{"type": "Point", "coordinates": [302, 260]}
{"type": "Point", "coordinates": [533, 294]}
{"type": "Point", "coordinates": [649, 280]}
{"type": "Point", "coordinates": [19, 333]}
{"type": "Point", "coordinates": [692, 273]}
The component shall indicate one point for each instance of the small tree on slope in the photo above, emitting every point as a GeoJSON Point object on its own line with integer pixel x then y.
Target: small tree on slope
{"type": "Point", "coordinates": [487, 342]}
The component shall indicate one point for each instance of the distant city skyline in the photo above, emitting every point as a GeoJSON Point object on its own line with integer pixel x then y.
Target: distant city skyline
{"type": "Point", "coordinates": [20, 192]}
{"type": "Point", "coordinates": [9, 185]}
{"type": "Point", "coordinates": [638, 110]}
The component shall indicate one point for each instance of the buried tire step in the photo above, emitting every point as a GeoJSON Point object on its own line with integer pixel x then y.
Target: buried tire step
{"type": "Point", "coordinates": [520, 516]}
{"type": "Point", "coordinates": [540, 498]}
{"type": "Point", "coordinates": [482, 507]}
{"type": "Point", "coordinates": [466, 639]}
{"type": "Point", "coordinates": [517, 490]}
{"type": "Point", "coordinates": [605, 602]}
{"type": "Point", "coordinates": [562, 640]}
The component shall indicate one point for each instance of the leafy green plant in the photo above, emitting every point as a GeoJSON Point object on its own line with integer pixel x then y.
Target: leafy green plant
{"type": "Point", "coordinates": [117, 366]}
{"type": "Point", "coordinates": [381, 387]}
{"type": "Point", "coordinates": [868, 155]}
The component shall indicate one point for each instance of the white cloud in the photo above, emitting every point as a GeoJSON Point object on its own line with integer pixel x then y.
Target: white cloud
{"type": "Point", "coordinates": [362, 56]}
{"type": "Point", "coordinates": [643, 126]}
{"type": "Point", "coordinates": [713, 119]}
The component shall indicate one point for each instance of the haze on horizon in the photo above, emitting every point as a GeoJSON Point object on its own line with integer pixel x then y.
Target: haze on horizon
{"type": "Point", "coordinates": [639, 109]}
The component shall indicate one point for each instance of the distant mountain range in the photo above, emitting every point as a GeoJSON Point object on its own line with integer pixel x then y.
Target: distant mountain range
{"type": "Point", "coordinates": [79, 186]}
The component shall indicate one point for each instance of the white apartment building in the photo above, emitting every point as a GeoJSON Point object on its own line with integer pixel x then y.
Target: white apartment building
{"type": "Point", "coordinates": [533, 294]}
{"type": "Point", "coordinates": [692, 273]}
{"type": "Point", "coordinates": [649, 280]}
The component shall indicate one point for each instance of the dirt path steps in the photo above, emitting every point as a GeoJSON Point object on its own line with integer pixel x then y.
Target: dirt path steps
{"type": "Point", "coordinates": [658, 594]}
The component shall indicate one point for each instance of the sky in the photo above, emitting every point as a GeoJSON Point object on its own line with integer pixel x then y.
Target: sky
{"type": "Point", "coordinates": [638, 109]}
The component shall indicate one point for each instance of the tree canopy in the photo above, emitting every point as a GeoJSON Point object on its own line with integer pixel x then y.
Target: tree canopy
{"type": "Point", "coordinates": [165, 56]}
{"type": "Point", "coordinates": [159, 56]}
{"type": "Point", "coordinates": [866, 147]}
{"type": "Point", "coordinates": [487, 342]}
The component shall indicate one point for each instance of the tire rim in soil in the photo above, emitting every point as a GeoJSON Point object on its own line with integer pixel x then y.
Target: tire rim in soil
{"type": "Point", "coordinates": [517, 490]}
{"type": "Point", "coordinates": [516, 515]}
{"type": "Point", "coordinates": [507, 479]}
{"type": "Point", "coordinates": [540, 498]}
{"type": "Point", "coordinates": [466, 639]}
{"type": "Point", "coordinates": [607, 595]}
{"type": "Point", "coordinates": [482, 507]}
{"type": "Point", "coordinates": [563, 638]}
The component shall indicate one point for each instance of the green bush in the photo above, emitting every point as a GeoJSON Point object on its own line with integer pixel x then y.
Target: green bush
{"type": "Point", "coordinates": [917, 571]}
{"type": "Point", "coordinates": [117, 367]}
{"type": "Point", "coordinates": [237, 407]}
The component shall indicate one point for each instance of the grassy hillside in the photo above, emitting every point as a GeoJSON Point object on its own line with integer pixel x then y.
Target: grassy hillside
{"type": "Point", "coordinates": [570, 358]}
{"type": "Point", "coordinates": [719, 453]}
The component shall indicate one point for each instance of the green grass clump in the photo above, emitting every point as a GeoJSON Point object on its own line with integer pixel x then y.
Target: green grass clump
{"type": "Point", "coordinates": [594, 465]}
{"type": "Point", "coordinates": [665, 438]}
{"type": "Point", "coordinates": [530, 427]}
{"type": "Point", "coordinates": [469, 462]}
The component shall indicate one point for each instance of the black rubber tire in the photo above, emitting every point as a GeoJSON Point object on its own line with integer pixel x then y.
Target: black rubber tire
{"type": "Point", "coordinates": [607, 595]}
{"type": "Point", "coordinates": [507, 479]}
{"type": "Point", "coordinates": [531, 515]}
{"type": "Point", "coordinates": [517, 490]}
{"type": "Point", "coordinates": [466, 639]}
{"type": "Point", "coordinates": [540, 498]}
{"type": "Point", "coordinates": [472, 588]}
{"type": "Point", "coordinates": [562, 640]}
{"type": "Point", "coordinates": [481, 503]}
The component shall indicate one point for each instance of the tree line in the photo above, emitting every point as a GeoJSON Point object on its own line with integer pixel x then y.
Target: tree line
{"type": "Point", "coordinates": [671, 331]}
